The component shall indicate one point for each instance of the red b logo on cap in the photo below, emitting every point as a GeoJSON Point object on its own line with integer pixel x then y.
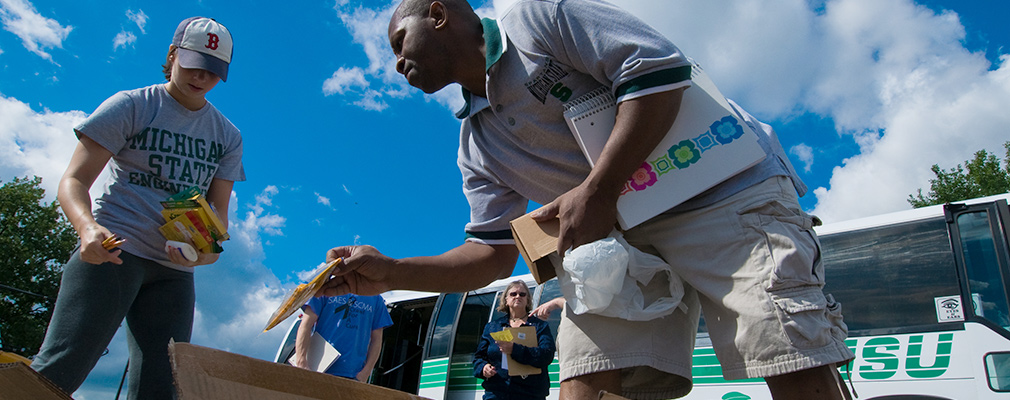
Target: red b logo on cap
{"type": "Point", "coordinates": [212, 41]}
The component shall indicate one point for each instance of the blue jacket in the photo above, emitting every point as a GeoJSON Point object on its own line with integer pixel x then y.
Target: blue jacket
{"type": "Point", "coordinates": [502, 386]}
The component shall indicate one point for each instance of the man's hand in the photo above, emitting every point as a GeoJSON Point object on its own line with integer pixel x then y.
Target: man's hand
{"type": "Point", "coordinates": [587, 214]}
{"type": "Point", "coordinates": [544, 310]}
{"type": "Point", "coordinates": [489, 371]}
{"type": "Point", "coordinates": [365, 271]}
{"type": "Point", "coordinates": [363, 375]}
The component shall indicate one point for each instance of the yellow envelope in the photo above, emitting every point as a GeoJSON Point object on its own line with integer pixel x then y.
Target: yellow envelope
{"type": "Point", "coordinates": [503, 336]}
{"type": "Point", "coordinates": [301, 294]}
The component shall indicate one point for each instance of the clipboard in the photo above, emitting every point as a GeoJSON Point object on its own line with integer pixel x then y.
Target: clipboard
{"type": "Point", "coordinates": [297, 298]}
{"type": "Point", "coordinates": [526, 336]}
{"type": "Point", "coordinates": [321, 354]}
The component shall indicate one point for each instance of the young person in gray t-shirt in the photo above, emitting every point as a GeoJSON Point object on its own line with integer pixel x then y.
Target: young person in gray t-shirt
{"type": "Point", "coordinates": [156, 141]}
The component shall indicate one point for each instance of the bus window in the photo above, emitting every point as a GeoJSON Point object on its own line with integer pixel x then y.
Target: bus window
{"type": "Point", "coordinates": [472, 319]}
{"type": "Point", "coordinates": [441, 332]}
{"type": "Point", "coordinates": [997, 367]}
{"type": "Point", "coordinates": [887, 277]}
{"type": "Point", "coordinates": [982, 266]}
{"type": "Point", "coordinates": [551, 290]}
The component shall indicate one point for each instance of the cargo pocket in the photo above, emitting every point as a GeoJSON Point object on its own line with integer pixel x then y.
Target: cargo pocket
{"type": "Point", "coordinates": [790, 244]}
{"type": "Point", "coordinates": [802, 314]}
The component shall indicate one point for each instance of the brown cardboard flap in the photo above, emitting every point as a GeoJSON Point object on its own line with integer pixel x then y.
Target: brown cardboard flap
{"type": "Point", "coordinates": [205, 373]}
{"type": "Point", "coordinates": [536, 242]}
{"type": "Point", "coordinates": [19, 381]}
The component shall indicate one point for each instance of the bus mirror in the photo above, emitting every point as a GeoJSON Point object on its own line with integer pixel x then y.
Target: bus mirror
{"type": "Point", "coordinates": [997, 366]}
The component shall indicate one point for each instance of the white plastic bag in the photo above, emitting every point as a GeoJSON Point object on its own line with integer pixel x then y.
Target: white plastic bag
{"type": "Point", "coordinates": [604, 278]}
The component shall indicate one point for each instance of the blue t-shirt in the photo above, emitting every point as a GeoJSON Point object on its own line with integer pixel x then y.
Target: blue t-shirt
{"type": "Point", "coordinates": [347, 323]}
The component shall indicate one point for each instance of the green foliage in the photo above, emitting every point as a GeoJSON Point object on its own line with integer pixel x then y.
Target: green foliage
{"type": "Point", "coordinates": [35, 240]}
{"type": "Point", "coordinates": [984, 177]}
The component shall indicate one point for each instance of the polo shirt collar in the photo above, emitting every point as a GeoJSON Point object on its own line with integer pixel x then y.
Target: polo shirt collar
{"type": "Point", "coordinates": [495, 44]}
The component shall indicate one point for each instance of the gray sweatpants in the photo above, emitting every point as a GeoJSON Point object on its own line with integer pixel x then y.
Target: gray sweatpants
{"type": "Point", "coordinates": [157, 303]}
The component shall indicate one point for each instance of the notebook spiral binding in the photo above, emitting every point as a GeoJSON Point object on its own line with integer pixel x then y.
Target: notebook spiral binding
{"type": "Point", "coordinates": [590, 103]}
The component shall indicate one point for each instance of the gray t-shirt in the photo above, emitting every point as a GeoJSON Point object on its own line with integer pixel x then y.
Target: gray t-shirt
{"type": "Point", "coordinates": [515, 145]}
{"type": "Point", "coordinates": [159, 148]}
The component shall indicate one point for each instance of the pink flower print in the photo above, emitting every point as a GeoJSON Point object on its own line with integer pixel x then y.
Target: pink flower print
{"type": "Point", "coordinates": [643, 177]}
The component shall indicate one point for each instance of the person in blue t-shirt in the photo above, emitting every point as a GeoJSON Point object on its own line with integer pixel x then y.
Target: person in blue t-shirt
{"type": "Point", "coordinates": [352, 324]}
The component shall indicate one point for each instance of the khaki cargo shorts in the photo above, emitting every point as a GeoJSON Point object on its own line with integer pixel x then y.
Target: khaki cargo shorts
{"type": "Point", "coordinates": [751, 263]}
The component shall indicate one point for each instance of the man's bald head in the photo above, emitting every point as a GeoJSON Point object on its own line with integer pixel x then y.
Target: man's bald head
{"type": "Point", "coordinates": [411, 8]}
{"type": "Point", "coordinates": [438, 42]}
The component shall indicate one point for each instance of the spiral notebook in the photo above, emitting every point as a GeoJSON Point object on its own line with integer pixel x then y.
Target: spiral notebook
{"type": "Point", "coordinates": [707, 144]}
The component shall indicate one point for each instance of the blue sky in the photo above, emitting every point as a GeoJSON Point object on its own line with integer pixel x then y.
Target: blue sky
{"type": "Point", "coordinates": [865, 95]}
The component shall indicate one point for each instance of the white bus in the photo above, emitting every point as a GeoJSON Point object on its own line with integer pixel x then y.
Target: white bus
{"type": "Point", "coordinates": [924, 294]}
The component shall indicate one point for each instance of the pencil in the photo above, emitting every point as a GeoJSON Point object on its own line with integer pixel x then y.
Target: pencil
{"type": "Point", "coordinates": [112, 242]}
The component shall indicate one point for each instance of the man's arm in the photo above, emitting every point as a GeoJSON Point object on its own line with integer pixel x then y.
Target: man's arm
{"type": "Point", "coordinates": [303, 338]}
{"type": "Point", "coordinates": [374, 346]}
{"type": "Point", "coordinates": [589, 211]}
{"type": "Point", "coordinates": [366, 271]}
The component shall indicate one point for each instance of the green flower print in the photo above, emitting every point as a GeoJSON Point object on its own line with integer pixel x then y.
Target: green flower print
{"type": "Point", "coordinates": [684, 154]}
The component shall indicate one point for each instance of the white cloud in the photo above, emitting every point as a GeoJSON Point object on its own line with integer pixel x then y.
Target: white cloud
{"type": "Point", "coordinates": [122, 39]}
{"type": "Point", "coordinates": [322, 199]}
{"type": "Point", "coordinates": [38, 143]}
{"type": "Point", "coordinates": [265, 198]}
{"type": "Point", "coordinates": [345, 79]}
{"type": "Point", "coordinates": [257, 220]}
{"type": "Point", "coordinates": [36, 32]}
{"type": "Point", "coordinates": [805, 154]}
{"type": "Point", "coordinates": [368, 28]}
{"type": "Point", "coordinates": [371, 100]}
{"type": "Point", "coordinates": [138, 18]}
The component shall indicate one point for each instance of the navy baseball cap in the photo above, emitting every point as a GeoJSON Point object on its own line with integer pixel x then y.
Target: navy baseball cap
{"type": "Point", "coordinates": [205, 44]}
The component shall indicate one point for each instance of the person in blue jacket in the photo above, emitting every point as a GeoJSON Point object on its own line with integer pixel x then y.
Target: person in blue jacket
{"type": "Point", "coordinates": [487, 360]}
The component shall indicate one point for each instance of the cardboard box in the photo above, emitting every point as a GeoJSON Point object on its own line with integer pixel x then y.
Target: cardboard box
{"type": "Point", "coordinates": [538, 243]}
{"type": "Point", "coordinates": [18, 381]}
{"type": "Point", "coordinates": [205, 373]}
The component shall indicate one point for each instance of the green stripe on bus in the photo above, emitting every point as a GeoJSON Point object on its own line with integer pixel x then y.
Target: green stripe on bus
{"type": "Point", "coordinates": [435, 363]}
{"type": "Point", "coordinates": [433, 373]}
{"type": "Point", "coordinates": [432, 379]}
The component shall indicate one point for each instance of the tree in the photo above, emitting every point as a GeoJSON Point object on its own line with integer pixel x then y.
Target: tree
{"type": "Point", "coordinates": [35, 240]}
{"type": "Point", "coordinates": [984, 177]}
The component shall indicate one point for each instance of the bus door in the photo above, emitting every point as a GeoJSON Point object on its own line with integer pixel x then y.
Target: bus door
{"type": "Point", "coordinates": [399, 364]}
{"type": "Point", "coordinates": [435, 363]}
{"type": "Point", "coordinates": [447, 369]}
{"type": "Point", "coordinates": [980, 242]}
